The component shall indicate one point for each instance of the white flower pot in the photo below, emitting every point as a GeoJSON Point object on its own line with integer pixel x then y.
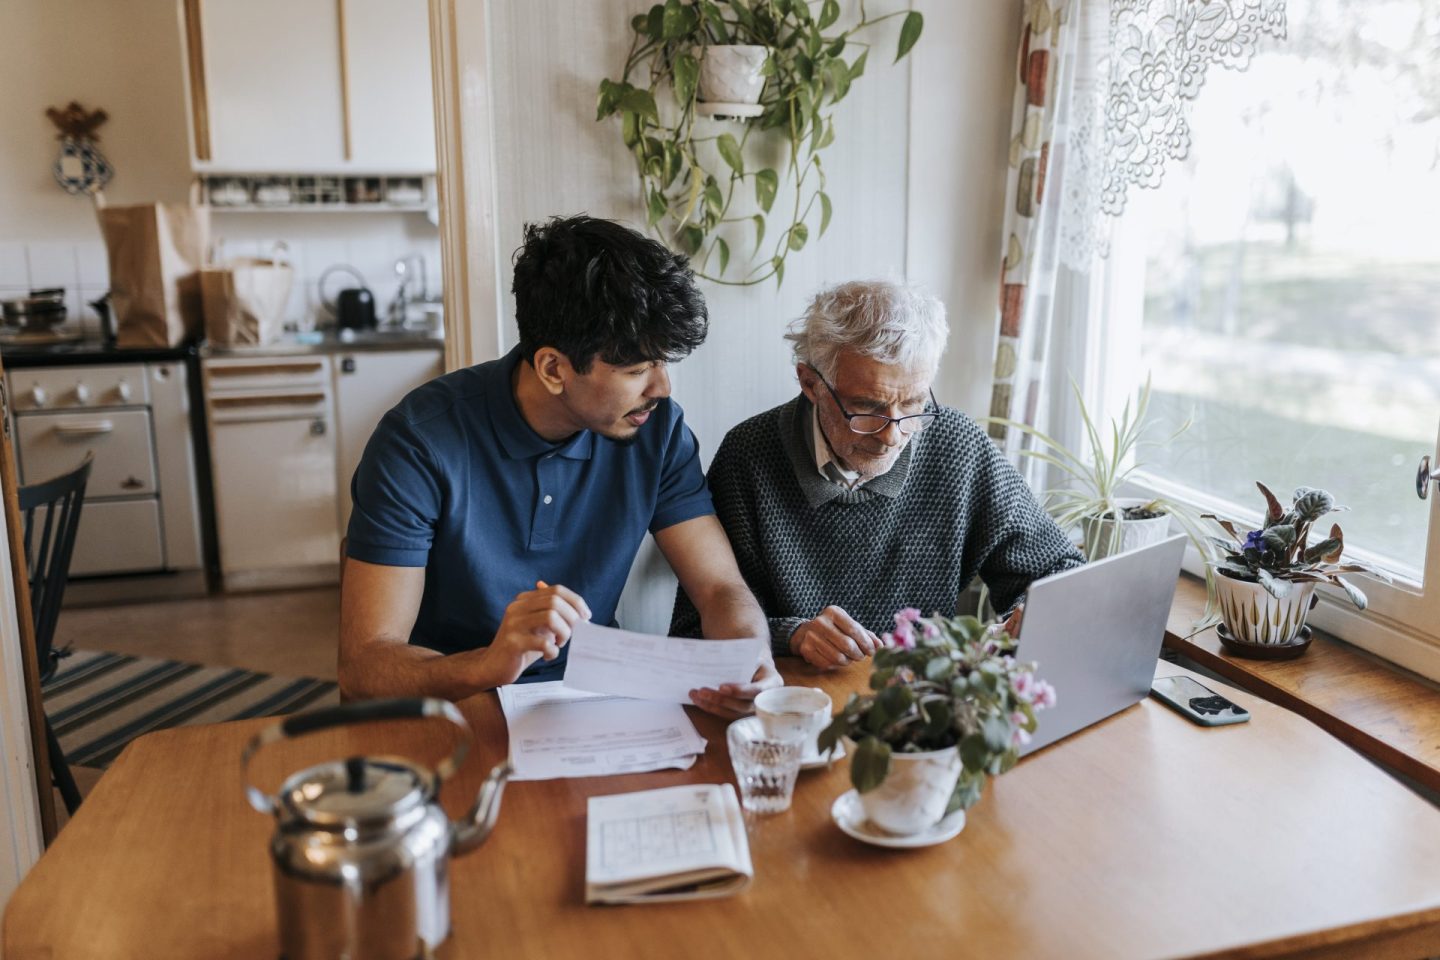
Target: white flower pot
{"type": "Point", "coordinates": [1251, 615]}
{"type": "Point", "coordinates": [915, 792]}
{"type": "Point", "coordinates": [730, 73]}
{"type": "Point", "coordinates": [1134, 534]}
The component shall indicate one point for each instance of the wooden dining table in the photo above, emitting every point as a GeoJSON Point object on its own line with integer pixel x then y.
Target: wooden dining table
{"type": "Point", "coordinates": [1141, 836]}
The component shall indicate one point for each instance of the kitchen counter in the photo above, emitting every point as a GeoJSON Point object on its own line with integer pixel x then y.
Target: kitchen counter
{"type": "Point", "coordinates": [18, 355]}
{"type": "Point", "coordinates": [331, 341]}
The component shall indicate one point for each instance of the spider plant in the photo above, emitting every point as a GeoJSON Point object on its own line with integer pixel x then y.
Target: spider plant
{"type": "Point", "coordinates": [1089, 496]}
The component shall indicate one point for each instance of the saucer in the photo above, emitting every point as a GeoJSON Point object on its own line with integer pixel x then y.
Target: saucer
{"type": "Point", "coordinates": [849, 816]}
{"type": "Point", "coordinates": [818, 759]}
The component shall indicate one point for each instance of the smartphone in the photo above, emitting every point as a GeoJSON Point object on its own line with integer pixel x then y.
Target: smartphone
{"type": "Point", "coordinates": [1197, 701]}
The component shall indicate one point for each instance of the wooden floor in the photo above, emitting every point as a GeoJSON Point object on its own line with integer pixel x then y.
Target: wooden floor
{"type": "Point", "coordinates": [294, 633]}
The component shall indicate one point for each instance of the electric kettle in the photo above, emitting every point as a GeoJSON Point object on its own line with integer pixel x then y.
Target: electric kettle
{"type": "Point", "coordinates": [361, 846]}
{"type": "Point", "coordinates": [354, 307]}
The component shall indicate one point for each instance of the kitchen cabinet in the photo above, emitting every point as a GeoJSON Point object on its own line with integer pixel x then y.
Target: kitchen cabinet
{"type": "Point", "coordinates": [307, 86]}
{"type": "Point", "coordinates": [367, 384]}
{"type": "Point", "coordinates": [286, 434]}
{"type": "Point", "coordinates": [272, 454]}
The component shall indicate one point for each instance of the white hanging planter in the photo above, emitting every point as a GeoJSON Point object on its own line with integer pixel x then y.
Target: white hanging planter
{"type": "Point", "coordinates": [1134, 534]}
{"type": "Point", "coordinates": [915, 792]}
{"type": "Point", "coordinates": [730, 80]}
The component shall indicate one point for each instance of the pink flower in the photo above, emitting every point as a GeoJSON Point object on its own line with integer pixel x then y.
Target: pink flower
{"type": "Point", "coordinates": [887, 639]}
{"type": "Point", "coordinates": [909, 614]}
{"type": "Point", "coordinates": [930, 630]}
{"type": "Point", "coordinates": [1024, 684]}
{"type": "Point", "coordinates": [1021, 736]}
{"type": "Point", "coordinates": [1044, 695]}
{"type": "Point", "coordinates": [904, 637]}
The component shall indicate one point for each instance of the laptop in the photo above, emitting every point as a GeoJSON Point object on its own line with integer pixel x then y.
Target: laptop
{"type": "Point", "coordinates": [1095, 632]}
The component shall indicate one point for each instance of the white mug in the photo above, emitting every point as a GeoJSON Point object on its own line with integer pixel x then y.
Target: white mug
{"type": "Point", "coordinates": [786, 712]}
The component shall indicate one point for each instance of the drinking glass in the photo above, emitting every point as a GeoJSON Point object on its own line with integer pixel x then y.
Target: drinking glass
{"type": "Point", "coordinates": [765, 765]}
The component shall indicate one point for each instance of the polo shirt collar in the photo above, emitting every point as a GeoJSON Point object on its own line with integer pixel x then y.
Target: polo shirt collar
{"type": "Point", "coordinates": [517, 439]}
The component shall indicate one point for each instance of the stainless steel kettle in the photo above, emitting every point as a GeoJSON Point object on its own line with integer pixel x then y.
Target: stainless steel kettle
{"type": "Point", "coordinates": [361, 847]}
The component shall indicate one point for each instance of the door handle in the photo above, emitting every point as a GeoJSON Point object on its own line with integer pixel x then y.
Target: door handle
{"type": "Point", "coordinates": [85, 429]}
{"type": "Point", "coordinates": [1424, 476]}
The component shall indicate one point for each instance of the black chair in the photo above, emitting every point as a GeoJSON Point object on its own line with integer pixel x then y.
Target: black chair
{"type": "Point", "coordinates": [51, 516]}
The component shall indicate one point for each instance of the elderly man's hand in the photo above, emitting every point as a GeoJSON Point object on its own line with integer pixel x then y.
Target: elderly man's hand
{"type": "Point", "coordinates": [735, 700]}
{"type": "Point", "coordinates": [833, 639]}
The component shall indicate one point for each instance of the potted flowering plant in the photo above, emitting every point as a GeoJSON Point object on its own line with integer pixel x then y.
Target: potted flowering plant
{"type": "Point", "coordinates": [949, 706]}
{"type": "Point", "coordinates": [1266, 579]}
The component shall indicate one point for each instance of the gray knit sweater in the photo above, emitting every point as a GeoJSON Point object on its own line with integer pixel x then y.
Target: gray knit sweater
{"type": "Point", "coordinates": [950, 508]}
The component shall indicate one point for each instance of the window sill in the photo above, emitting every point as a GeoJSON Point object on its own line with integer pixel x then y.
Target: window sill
{"type": "Point", "coordinates": [1382, 711]}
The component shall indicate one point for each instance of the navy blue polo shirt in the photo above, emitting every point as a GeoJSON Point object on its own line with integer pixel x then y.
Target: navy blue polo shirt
{"type": "Point", "coordinates": [455, 481]}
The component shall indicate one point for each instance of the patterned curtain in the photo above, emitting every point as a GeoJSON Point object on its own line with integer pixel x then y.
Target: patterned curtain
{"type": "Point", "coordinates": [1100, 107]}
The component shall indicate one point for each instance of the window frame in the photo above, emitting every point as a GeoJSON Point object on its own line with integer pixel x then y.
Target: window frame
{"type": "Point", "coordinates": [1401, 624]}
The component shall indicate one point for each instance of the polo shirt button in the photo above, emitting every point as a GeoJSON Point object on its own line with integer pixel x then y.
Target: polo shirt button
{"type": "Point", "coordinates": [548, 498]}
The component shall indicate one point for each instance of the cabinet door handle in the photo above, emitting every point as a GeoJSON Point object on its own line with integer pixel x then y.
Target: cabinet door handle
{"type": "Point", "coordinates": [85, 429]}
{"type": "Point", "coordinates": [258, 369]}
{"type": "Point", "coordinates": [267, 400]}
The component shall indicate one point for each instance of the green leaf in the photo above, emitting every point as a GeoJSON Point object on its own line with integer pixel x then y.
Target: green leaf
{"type": "Point", "coordinates": [713, 200]}
{"type": "Point", "coordinates": [724, 250]}
{"type": "Point", "coordinates": [825, 215]}
{"type": "Point", "coordinates": [870, 764]}
{"type": "Point", "coordinates": [759, 231]}
{"type": "Point", "coordinates": [910, 32]}
{"type": "Point", "coordinates": [729, 149]}
{"type": "Point", "coordinates": [801, 11]}
{"type": "Point", "coordinates": [630, 128]}
{"type": "Point", "coordinates": [829, 13]}
{"type": "Point", "coordinates": [673, 20]}
{"type": "Point", "coordinates": [805, 67]}
{"type": "Point", "coordinates": [641, 102]}
{"type": "Point", "coordinates": [687, 74]}
{"type": "Point", "coordinates": [839, 75]}
{"type": "Point", "coordinates": [640, 23]}
{"type": "Point", "coordinates": [825, 140]}
{"type": "Point", "coordinates": [858, 67]}
{"type": "Point", "coordinates": [973, 752]}
{"type": "Point", "coordinates": [779, 264]}
{"type": "Point", "coordinates": [1356, 595]}
{"type": "Point", "coordinates": [836, 48]}
{"type": "Point", "coordinates": [691, 238]}
{"type": "Point", "coordinates": [711, 15]}
{"type": "Point", "coordinates": [798, 235]}
{"type": "Point", "coordinates": [895, 699]}
{"type": "Point", "coordinates": [657, 207]}
{"type": "Point", "coordinates": [766, 183]}
{"type": "Point", "coordinates": [607, 98]}
{"type": "Point", "coordinates": [656, 22]}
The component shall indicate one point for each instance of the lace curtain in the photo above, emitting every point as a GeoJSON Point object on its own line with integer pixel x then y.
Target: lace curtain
{"type": "Point", "coordinates": [1100, 108]}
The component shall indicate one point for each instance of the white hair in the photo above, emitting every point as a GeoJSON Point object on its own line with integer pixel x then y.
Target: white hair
{"type": "Point", "coordinates": [881, 319]}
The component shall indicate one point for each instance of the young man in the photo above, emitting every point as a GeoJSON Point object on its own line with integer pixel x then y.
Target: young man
{"type": "Point", "coordinates": [498, 505]}
{"type": "Point", "coordinates": [864, 496]}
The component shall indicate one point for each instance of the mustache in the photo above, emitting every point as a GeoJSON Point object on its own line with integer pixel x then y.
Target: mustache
{"type": "Point", "coordinates": [645, 409]}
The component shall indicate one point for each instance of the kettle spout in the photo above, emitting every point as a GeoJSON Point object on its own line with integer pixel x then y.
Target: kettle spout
{"type": "Point", "coordinates": [476, 827]}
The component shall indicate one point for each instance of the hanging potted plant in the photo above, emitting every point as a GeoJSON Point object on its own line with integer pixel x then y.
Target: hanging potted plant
{"type": "Point", "coordinates": [1266, 579]}
{"type": "Point", "coordinates": [949, 707]}
{"type": "Point", "coordinates": [780, 63]}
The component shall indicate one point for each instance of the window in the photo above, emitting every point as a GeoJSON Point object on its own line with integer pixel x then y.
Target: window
{"type": "Point", "coordinates": [1283, 288]}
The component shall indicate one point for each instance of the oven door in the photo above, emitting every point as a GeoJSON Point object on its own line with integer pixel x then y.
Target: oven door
{"type": "Point", "coordinates": [54, 443]}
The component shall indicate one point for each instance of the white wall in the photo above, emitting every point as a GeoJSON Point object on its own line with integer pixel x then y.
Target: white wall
{"type": "Point", "coordinates": [916, 174]}
{"type": "Point", "coordinates": [126, 57]}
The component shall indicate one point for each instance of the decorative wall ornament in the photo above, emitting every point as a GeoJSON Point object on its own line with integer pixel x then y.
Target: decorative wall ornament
{"type": "Point", "coordinates": [81, 168]}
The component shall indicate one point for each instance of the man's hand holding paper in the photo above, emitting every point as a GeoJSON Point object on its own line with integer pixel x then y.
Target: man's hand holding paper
{"type": "Point", "coordinates": [721, 676]}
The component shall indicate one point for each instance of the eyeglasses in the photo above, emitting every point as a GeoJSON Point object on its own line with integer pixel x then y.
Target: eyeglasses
{"type": "Point", "coordinates": [870, 423]}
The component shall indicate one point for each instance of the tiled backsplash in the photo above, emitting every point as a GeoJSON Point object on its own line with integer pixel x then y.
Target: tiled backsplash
{"type": "Point", "coordinates": [83, 270]}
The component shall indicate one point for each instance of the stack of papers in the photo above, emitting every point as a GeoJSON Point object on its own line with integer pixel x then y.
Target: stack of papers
{"type": "Point", "coordinates": [627, 664]}
{"type": "Point", "coordinates": [678, 843]}
{"type": "Point", "coordinates": [556, 732]}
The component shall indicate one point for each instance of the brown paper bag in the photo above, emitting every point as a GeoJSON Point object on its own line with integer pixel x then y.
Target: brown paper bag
{"type": "Point", "coordinates": [155, 252]}
{"type": "Point", "coordinates": [245, 300]}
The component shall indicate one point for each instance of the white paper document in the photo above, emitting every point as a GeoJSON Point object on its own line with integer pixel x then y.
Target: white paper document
{"type": "Point", "coordinates": [555, 732]}
{"type": "Point", "coordinates": [676, 843]}
{"type": "Point", "coordinates": [609, 660]}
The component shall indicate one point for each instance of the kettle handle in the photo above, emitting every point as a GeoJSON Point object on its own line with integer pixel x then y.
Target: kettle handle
{"type": "Point", "coordinates": [361, 711]}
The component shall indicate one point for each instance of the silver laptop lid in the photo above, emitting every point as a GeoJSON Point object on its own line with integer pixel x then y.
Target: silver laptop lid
{"type": "Point", "coordinates": [1096, 632]}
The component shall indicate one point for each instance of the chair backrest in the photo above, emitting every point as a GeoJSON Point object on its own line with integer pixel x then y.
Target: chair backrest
{"type": "Point", "coordinates": [51, 515]}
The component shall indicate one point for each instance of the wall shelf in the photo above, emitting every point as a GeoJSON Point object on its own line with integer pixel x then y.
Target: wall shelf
{"type": "Point", "coordinates": [314, 193]}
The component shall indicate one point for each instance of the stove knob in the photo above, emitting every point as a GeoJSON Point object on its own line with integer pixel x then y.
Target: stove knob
{"type": "Point", "coordinates": [122, 390]}
{"type": "Point", "coordinates": [82, 393]}
{"type": "Point", "coordinates": [37, 395]}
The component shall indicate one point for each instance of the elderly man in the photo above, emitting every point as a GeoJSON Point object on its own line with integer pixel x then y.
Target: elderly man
{"type": "Point", "coordinates": [864, 495]}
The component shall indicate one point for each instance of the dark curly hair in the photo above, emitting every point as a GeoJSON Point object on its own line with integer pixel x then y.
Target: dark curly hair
{"type": "Point", "coordinates": [593, 288]}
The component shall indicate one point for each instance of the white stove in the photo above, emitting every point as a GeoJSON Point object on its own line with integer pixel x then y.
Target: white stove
{"type": "Point", "coordinates": [141, 512]}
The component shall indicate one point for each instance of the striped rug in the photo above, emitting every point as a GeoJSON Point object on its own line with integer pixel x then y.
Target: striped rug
{"type": "Point", "coordinates": [98, 702]}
